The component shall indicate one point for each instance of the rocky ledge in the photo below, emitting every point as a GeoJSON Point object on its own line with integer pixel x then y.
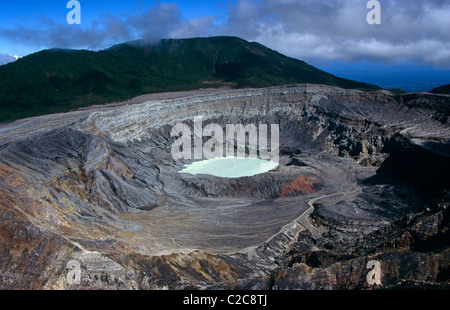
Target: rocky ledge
{"type": "Point", "coordinates": [92, 199]}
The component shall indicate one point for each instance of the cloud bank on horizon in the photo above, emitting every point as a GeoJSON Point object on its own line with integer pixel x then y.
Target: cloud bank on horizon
{"type": "Point", "coordinates": [414, 31]}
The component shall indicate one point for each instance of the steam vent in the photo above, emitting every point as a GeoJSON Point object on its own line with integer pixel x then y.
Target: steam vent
{"type": "Point", "coordinates": [359, 199]}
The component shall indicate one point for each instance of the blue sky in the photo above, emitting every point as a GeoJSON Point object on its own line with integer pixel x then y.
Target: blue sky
{"type": "Point", "coordinates": [410, 49]}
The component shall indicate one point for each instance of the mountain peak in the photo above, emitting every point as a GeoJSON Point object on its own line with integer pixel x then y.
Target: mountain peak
{"type": "Point", "coordinates": [68, 79]}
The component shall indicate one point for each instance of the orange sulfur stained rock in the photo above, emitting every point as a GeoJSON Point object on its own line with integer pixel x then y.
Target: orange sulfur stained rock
{"type": "Point", "coordinates": [300, 186]}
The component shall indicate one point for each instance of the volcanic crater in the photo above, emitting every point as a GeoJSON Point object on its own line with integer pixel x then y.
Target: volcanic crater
{"type": "Point", "coordinates": [361, 176]}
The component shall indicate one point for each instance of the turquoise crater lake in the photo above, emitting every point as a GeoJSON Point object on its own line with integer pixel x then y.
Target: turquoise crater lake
{"type": "Point", "coordinates": [230, 167]}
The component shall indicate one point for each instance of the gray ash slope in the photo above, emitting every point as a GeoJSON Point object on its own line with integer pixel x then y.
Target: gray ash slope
{"type": "Point", "coordinates": [362, 176]}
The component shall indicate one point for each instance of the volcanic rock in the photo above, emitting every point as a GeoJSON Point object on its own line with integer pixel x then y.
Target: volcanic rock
{"type": "Point", "coordinates": [363, 177]}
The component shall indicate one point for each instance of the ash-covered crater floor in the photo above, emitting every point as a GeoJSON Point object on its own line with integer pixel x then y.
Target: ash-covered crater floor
{"type": "Point", "coordinates": [362, 176]}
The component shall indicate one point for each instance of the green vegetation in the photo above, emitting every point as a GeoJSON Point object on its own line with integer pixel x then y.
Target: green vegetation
{"type": "Point", "coordinates": [444, 89]}
{"type": "Point", "coordinates": [59, 80]}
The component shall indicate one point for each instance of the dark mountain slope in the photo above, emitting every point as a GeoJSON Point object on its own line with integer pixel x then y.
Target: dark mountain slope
{"type": "Point", "coordinates": [59, 80]}
{"type": "Point", "coordinates": [444, 89]}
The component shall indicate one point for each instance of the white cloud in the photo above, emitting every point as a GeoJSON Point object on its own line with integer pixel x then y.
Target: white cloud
{"type": "Point", "coordinates": [150, 25]}
{"type": "Point", "coordinates": [197, 27]}
{"type": "Point", "coordinates": [4, 59]}
{"type": "Point", "coordinates": [414, 30]}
